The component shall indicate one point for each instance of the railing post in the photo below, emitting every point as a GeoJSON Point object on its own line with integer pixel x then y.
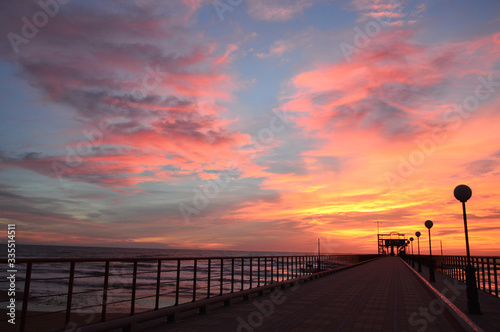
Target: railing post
{"type": "Point", "coordinates": [242, 272]}
{"type": "Point", "coordinates": [221, 276]}
{"type": "Point", "coordinates": [453, 267]}
{"type": "Point", "coordinates": [105, 292]}
{"type": "Point", "coordinates": [272, 274]}
{"type": "Point", "coordinates": [195, 270]}
{"type": "Point", "coordinates": [71, 282]}
{"type": "Point", "coordinates": [265, 270]}
{"type": "Point", "coordinates": [449, 265]}
{"type": "Point", "coordinates": [489, 274]}
{"type": "Point", "coordinates": [134, 286]}
{"type": "Point", "coordinates": [287, 268]}
{"type": "Point", "coordinates": [282, 268]}
{"type": "Point", "coordinates": [258, 272]}
{"type": "Point", "coordinates": [158, 281]}
{"type": "Point", "coordinates": [296, 266]}
{"type": "Point", "coordinates": [26, 295]}
{"type": "Point", "coordinates": [251, 273]}
{"type": "Point", "coordinates": [209, 272]}
{"type": "Point", "coordinates": [484, 279]}
{"type": "Point", "coordinates": [300, 265]}
{"type": "Point", "coordinates": [277, 269]}
{"type": "Point", "coordinates": [232, 274]}
{"type": "Point", "coordinates": [177, 283]}
{"type": "Point", "coordinates": [495, 271]}
{"type": "Point", "coordinates": [462, 269]}
{"type": "Point", "coordinates": [478, 274]}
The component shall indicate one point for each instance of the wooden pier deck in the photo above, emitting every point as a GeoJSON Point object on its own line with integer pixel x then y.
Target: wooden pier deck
{"type": "Point", "coordinates": [382, 295]}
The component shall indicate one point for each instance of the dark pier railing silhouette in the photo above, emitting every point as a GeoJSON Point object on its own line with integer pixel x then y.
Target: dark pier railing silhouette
{"type": "Point", "coordinates": [487, 269]}
{"type": "Point", "coordinates": [71, 293]}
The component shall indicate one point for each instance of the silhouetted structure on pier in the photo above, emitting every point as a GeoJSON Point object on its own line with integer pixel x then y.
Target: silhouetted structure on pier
{"type": "Point", "coordinates": [392, 240]}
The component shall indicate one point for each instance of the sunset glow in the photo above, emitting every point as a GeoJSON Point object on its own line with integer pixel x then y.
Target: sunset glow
{"type": "Point", "coordinates": [250, 125]}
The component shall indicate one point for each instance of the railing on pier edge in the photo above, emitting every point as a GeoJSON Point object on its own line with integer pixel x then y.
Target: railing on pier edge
{"type": "Point", "coordinates": [88, 291]}
{"type": "Point", "coordinates": [487, 269]}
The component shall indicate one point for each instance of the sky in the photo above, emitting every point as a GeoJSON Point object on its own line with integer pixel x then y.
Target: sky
{"type": "Point", "coordinates": [250, 124]}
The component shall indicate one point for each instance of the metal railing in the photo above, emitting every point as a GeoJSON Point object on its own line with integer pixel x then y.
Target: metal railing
{"type": "Point", "coordinates": [67, 293]}
{"type": "Point", "coordinates": [487, 269]}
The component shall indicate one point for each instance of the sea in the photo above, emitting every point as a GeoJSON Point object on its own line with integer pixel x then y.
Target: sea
{"type": "Point", "coordinates": [46, 251]}
{"type": "Point", "coordinates": [49, 281]}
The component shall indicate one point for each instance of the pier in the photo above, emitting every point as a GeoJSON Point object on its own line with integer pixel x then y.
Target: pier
{"type": "Point", "coordinates": [381, 295]}
{"type": "Point", "coordinates": [268, 293]}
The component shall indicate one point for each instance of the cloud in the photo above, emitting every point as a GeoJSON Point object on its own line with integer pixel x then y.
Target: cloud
{"type": "Point", "coordinates": [394, 86]}
{"type": "Point", "coordinates": [483, 167]}
{"type": "Point", "coordinates": [277, 49]}
{"type": "Point", "coordinates": [359, 116]}
{"type": "Point", "coordinates": [277, 10]}
{"type": "Point", "coordinates": [145, 91]}
{"type": "Point", "coordinates": [394, 12]}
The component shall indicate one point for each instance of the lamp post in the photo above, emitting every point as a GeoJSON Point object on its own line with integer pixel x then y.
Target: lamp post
{"type": "Point", "coordinates": [412, 257]}
{"type": "Point", "coordinates": [463, 193]}
{"type": "Point", "coordinates": [407, 256]}
{"type": "Point", "coordinates": [417, 234]}
{"type": "Point", "coordinates": [432, 277]}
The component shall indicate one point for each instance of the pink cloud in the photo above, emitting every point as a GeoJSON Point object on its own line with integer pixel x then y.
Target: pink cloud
{"type": "Point", "coordinates": [142, 82]}
{"type": "Point", "coordinates": [394, 12]}
{"type": "Point", "coordinates": [376, 5]}
{"type": "Point", "coordinates": [369, 112]}
{"type": "Point", "coordinates": [230, 49]}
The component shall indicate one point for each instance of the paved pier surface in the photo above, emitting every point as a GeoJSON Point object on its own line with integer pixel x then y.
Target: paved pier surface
{"type": "Point", "coordinates": [382, 295]}
{"type": "Point", "coordinates": [490, 304]}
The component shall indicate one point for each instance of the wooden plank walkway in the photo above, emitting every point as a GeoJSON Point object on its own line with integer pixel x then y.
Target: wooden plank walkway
{"type": "Point", "coordinates": [382, 295]}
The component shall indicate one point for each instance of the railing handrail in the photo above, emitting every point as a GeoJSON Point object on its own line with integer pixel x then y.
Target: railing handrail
{"type": "Point", "coordinates": [150, 259]}
{"type": "Point", "coordinates": [497, 257]}
{"type": "Point", "coordinates": [434, 255]}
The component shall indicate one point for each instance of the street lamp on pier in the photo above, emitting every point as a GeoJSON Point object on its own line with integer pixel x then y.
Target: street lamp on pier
{"type": "Point", "coordinates": [417, 234]}
{"type": "Point", "coordinates": [432, 277]}
{"type": "Point", "coordinates": [412, 257]}
{"type": "Point", "coordinates": [463, 193]}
